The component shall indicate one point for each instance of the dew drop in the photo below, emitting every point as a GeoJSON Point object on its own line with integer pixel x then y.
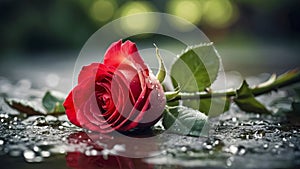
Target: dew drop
{"type": "Point", "coordinates": [183, 149]}
{"type": "Point", "coordinates": [50, 118]}
{"type": "Point", "coordinates": [40, 122]}
{"type": "Point", "coordinates": [15, 152]}
{"type": "Point", "coordinates": [207, 146]}
{"type": "Point", "coordinates": [119, 147]}
{"type": "Point", "coordinates": [265, 146]}
{"type": "Point", "coordinates": [1, 142]}
{"type": "Point", "coordinates": [45, 153]}
{"type": "Point", "coordinates": [91, 152]}
{"type": "Point", "coordinates": [229, 161]}
{"type": "Point", "coordinates": [36, 149]}
{"type": "Point", "coordinates": [232, 149]}
{"type": "Point", "coordinates": [28, 155]}
{"type": "Point", "coordinates": [258, 134]}
{"type": "Point", "coordinates": [241, 150]}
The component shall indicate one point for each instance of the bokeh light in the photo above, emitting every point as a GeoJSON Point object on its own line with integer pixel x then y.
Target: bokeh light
{"type": "Point", "coordinates": [140, 23]}
{"type": "Point", "coordinates": [219, 13]}
{"type": "Point", "coordinates": [191, 10]}
{"type": "Point", "coordinates": [103, 10]}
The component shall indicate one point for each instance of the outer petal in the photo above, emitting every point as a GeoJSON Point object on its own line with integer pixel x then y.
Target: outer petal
{"type": "Point", "coordinates": [125, 53]}
{"type": "Point", "coordinates": [70, 110]}
{"type": "Point", "coordinates": [76, 98]}
{"type": "Point", "coordinates": [88, 71]}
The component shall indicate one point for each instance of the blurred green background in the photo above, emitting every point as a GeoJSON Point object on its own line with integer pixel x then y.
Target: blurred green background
{"type": "Point", "coordinates": [31, 26]}
{"type": "Point", "coordinates": [250, 35]}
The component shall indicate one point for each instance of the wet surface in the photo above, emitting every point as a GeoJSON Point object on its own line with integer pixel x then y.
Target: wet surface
{"type": "Point", "coordinates": [236, 140]}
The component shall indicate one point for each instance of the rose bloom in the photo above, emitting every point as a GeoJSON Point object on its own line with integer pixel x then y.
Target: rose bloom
{"type": "Point", "coordinates": [121, 94]}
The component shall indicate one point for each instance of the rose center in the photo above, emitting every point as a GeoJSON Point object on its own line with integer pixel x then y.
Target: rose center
{"type": "Point", "coordinates": [104, 101]}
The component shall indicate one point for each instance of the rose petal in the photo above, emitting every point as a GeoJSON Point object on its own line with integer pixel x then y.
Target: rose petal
{"type": "Point", "coordinates": [125, 53]}
{"type": "Point", "coordinates": [76, 98]}
{"type": "Point", "coordinates": [70, 109]}
{"type": "Point", "coordinates": [88, 71]}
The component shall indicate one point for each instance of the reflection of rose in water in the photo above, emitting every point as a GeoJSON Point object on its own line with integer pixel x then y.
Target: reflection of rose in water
{"type": "Point", "coordinates": [78, 159]}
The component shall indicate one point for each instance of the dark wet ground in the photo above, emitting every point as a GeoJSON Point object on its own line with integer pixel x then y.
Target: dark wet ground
{"type": "Point", "coordinates": [236, 140]}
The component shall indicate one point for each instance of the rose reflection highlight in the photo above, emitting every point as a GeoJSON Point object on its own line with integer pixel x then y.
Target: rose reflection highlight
{"type": "Point", "coordinates": [96, 159]}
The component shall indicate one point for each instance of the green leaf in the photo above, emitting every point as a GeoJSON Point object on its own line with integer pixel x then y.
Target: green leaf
{"type": "Point", "coordinates": [52, 101]}
{"type": "Point", "coordinates": [183, 120]}
{"type": "Point", "coordinates": [297, 91]}
{"type": "Point", "coordinates": [296, 107]}
{"type": "Point", "coordinates": [30, 108]}
{"type": "Point", "coordinates": [209, 106]}
{"type": "Point", "coordinates": [196, 68]}
{"type": "Point", "coordinates": [247, 102]}
{"type": "Point", "coordinates": [162, 68]}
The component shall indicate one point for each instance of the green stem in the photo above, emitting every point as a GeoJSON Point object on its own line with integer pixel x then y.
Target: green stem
{"type": "Point", "coordinates": [274, 83]}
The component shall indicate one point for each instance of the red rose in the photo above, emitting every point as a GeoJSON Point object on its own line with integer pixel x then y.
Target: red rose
{"type": "Point", "coordinates": [120, 94]}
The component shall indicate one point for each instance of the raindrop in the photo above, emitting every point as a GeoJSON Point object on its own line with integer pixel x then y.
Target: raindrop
{"type": "Point", "coordinates": [229, 161]}
{"type": "Point", "coordinates": [15, 152]}
{"type": "Point", "coordinates": [1, 142]}
{"type": "Point", "coordinates": [28, 155]}
{"type": "Point", "coordinates": [183, 149]}
{"type": "Point", "coordinates": [276, 146]}
{"type": "Point", "coordinates": [237, 150]}
{"type": "Point", "coordinates": [36, 149]}
{"type": "Point", "coordinates": [20, 127]}
{"type": "Point", "coordinates": [50, 118]}
{"type": "Point", "coordinates": [241, 150]}
{"type": "Point", "coordinates": [92, 152]}
{"type": "Point", "coordinates": [40, 122]}
{"type": "Point", "coordinates": [291, 145]}
{"type": "Point", "coordinates": [119, 147]}
{"type": "Point", "coordinates": [232, 149]}
{"type": "Point", "coordinates": [258, 134]}
{"type": "Point", "coordinates": [4, 115]}
{"type": "Point", "coordinates": [45, 153]}
{"type": "Point", "coordinates": [207, 146]}
{"type": "Point", "coordinates": [265, 146]}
